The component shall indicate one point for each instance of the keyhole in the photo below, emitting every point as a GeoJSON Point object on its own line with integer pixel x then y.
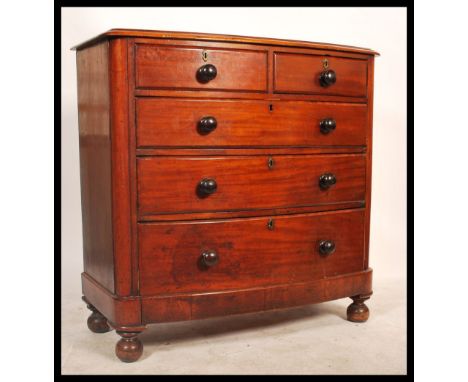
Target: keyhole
{"type": "Point", "coordinates": [271, 163]}
{"type": "Point", "coordinates": [271, 107]}
{"type": "Point", "coordinates": [271, 224]}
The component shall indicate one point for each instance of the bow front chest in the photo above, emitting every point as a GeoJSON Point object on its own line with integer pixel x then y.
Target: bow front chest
{"type": "Point", "coordinates": [221, 175]}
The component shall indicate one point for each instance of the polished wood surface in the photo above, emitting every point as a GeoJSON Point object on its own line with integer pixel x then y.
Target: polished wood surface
{"type": "Point", "coordinates": [95, 162]}
{"type": "Point", "coordinates": [221, 175]}
{"type": "Point", "coordinates": [190, 36]}
{"type": "Point", "coordinates": [203, 305]}
{"type": "Point", "coordinates": [174, 122]}
{"type": "Point", "coordinates": [236, 69]}
{"type": "Point", "coordinates": [251, 252]}
{"type": "Point", "coordinates": [169, 184]}
{"type": "Point", "coordinates": [300, 73]}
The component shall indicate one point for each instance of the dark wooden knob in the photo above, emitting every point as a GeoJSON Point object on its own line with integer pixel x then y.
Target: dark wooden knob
{"type": "Point", "coordinates": [210, 258]}
{"type": "Point", "coordinates": [326, 181]}
{"type": "Point", "coordinates": [207, 186]}
{"type": "Point", "coordinates": [327, 125]}
{"type": "Point", "coordinates": [327, 78]}
{"type": "Point", "coordinates": [326, 247]}
{"type": "Point", "coordinates": [206, 73]}
{"type": "Point", "coordinates": [207, 124]}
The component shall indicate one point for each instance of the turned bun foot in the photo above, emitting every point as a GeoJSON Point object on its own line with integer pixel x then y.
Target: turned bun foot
{"type": "Point", "coordinates": [97, 323]}
{"type": "Point", "coordinates": [358, 311]}
{"type": "Point", "coordinates": [129, 348]}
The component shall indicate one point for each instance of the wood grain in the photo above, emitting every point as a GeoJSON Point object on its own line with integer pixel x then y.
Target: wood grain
{"type": "Point", "coordinates": [95, 162]}
{"type": "Point", "coordinates": [299, 73]}
{"type": "Point", "coordinates": [167, 67]}
{"type": "Point", "coordinates": [250, 253]}
{"type": "Point", "coordinates": [203, 305]}
{"type": "Point", "coordinates": [173, 122]}
{"type": "Point", "coordinates": [169, 184]}
{"type": "Point", "coordinates": [210, 37]}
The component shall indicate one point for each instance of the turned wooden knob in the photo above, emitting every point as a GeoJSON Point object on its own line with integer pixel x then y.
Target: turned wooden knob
{"type": "Point", "coordinates": [210, 258]}
{"type": "Point", "coordinates": [327, 180]}
{"type": "Point", "coordinates": [206, 73]}
{"type": "Point", "coordinates": [207, 125]}
{"type": "Point", "coordinates": [207, 186]}
{"type": "Point", "coordinates": [327, 247]}
{"type": "Point", "coordinates": [327, 78]}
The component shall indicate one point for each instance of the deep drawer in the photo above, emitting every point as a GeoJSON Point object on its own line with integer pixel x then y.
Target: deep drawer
{"type": "Point", "coordinates": [300, 73]}
{"type": "Point", "coordinates": [183, 184]}
{"type": "Point", "coordinates": [223, 123]}
{"type": "Point", "coordinates": [246, 253]}
{"type": "Point", "coordinates": [166, 67]}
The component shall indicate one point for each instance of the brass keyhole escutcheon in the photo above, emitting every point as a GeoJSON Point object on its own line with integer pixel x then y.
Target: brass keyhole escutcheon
{"type": "Point", "coordinates": [271, 224]}
{"type": "Point", "coordinates": [205, 55]}
{"type": "Point", "coordinates": [271, 163]}
{"type": "Point", "coordinates": [325, 63]}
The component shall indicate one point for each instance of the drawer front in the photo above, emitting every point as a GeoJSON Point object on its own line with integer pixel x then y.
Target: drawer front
{"type": "Point", "coordinates": [173, 184]}
{"type": "Point", "coordinates": [200, 123]}
{"type": "Point", "coordinates": [166, 67]}
{"type": "Point", "coordinates": [300, 73]}
{"type": "Point", "coordinates": [207, 256]}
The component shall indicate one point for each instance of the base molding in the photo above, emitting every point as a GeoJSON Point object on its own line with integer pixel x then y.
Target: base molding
{"type": "Point", "coordinates": [204, 305]}
{"type": "Point", "coordinates": [119, 311]}
{"type": "Point", "coordinates": [131, 312]}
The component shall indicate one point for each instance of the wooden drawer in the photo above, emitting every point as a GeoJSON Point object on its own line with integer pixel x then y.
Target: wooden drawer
{"type": "Point", "coordinates": [171, 184]}
{"type": "Point", "coordinates": [300, 73]}
{"type": "Point", "coordinates": [249, 252]}
{"type": "Point", "coordinates": [179, 122]}
{"type": "Point", "coordinates": [168, 67]}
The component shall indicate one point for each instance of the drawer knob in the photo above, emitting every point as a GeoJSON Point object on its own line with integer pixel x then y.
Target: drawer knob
{"type": "Point", "coordinates": [207, 124]}
{"type": "Point", "coordinates": [210, 258]}
{"type": "Point", "coordinates": [207, 186]}
{"type": "Point", "coordinates": [327, 125]}
{"type": "Point", "coordinates": [326, 247]}
{"type": "Point", "coordinates": [327, 78]}
{"type": "Point", "coordinates": [326, 181]}
{"type": "Point", "coordinates": [206, 73]}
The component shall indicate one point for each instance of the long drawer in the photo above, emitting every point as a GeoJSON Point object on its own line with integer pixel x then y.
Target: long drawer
{"type": "Point", "coordinates": [206, 256]}
{"type": "Point", "coordinates": [234, 123]}
{"type": "Point", "coordinates": [203, 184]}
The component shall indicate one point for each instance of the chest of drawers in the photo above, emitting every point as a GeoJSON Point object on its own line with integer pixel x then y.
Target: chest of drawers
{"type": "Point", "coordinates": [221, 175]}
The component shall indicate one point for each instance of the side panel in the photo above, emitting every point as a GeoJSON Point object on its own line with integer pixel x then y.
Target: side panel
{"type": "Point", "coordinates": [95, 162]}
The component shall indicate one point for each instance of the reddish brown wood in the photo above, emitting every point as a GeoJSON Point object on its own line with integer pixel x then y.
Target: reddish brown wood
{"type": "Point", "coordinates": [209, 151]}
{"type": "Point", "coordinates": [97, 323]}
{"type": "Point", "coordinates": [121, 177]}
{"type": "Point", "coordinates": [223, 95]}
{"type": "Point", "coordinates": [251, 253]}
{"type": "Point", "coordinates": [145, 224]}
{"type": "Point", "coordinates": [167, 185]}
{"type": "Point", "coordinates": [251, 213]}
{"type": "Point", "coordinates": [129, 348]}
{"type": "Point", "coordinates": [370, 92]}
{"type": "Point", "coordinates": [203, 305]}
{"type": "Point", "coordinates": [179, 37]}
{"type": "Point", "coordinates": [118, 310]}
{"type": "Point", "coordinates": [174, 122]}
{"type": "Point", "coordinates": [299, 73]}
{"type": "Point", "coordinates": [95, 162]}
{"type": "Point", "coordinates": [358, 311]}
{"type": "Point", "coordinates": [168, 67]}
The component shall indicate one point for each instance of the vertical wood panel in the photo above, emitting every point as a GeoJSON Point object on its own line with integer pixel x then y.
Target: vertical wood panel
{"type": "Point", "coordinates": [95, 162]}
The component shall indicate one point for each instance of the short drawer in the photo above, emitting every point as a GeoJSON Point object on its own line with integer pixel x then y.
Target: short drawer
{"type": "Point", "coordinates": [208, 184]}
{"type": "Point", "coordinates": [301, 73]}
{"type": "Point", "coordinates": [223, 123]}
{"type": "Point", "coordinates": [168, 67]}
{"type": "Point", "coordinates": [207, 256]}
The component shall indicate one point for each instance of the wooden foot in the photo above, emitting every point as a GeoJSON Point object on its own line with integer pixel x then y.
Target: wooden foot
{"type": "Point", "coordinates": [97, 323]}
{"type": "Point", "coordinates": [129, 348]}
{"type": "Point", "coordinates": [358, 311]}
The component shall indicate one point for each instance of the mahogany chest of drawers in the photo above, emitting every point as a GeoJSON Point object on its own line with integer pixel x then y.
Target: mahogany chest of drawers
{"type": "Point", "coordinates": [221, 175]}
